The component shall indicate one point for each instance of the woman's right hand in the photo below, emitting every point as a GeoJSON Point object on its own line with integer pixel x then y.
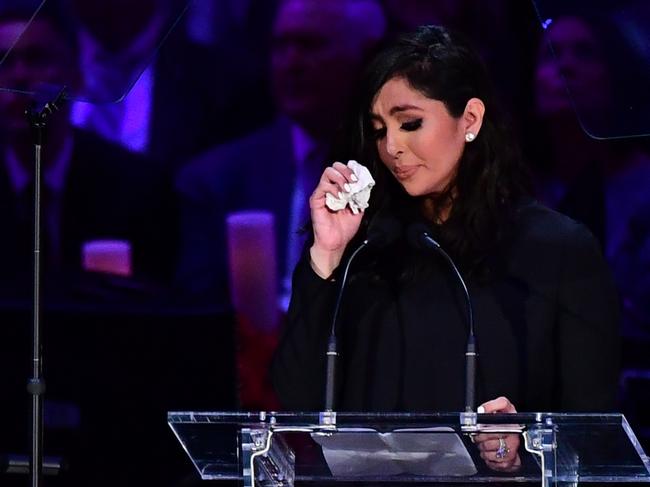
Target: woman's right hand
{"type": "Point", "coordinates": [332, 230]}
{"type": "Point", "coordinates": [500, 451]}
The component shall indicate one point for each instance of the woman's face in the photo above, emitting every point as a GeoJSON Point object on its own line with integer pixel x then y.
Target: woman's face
{"type": "Point", "coordinates": [418, 140]}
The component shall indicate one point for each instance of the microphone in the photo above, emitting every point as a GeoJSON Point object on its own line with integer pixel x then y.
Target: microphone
{"type": "Point", "coordinates": [382, 231]}
{"type": "Point", "coordinates": [419, 236]}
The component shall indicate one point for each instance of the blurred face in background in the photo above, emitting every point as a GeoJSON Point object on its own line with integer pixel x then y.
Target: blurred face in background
{"type": "Point", "coordinates": [42, 61]}
{"type": "Point", "coordinates": [578, 64]}
{"type": "Point", "coordinates": [319, 48]}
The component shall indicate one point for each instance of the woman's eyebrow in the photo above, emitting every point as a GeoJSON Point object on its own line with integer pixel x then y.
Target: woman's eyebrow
{"type": "Point", "coordinates": [403, 108]}
{"type": "Point", "coordinates": [394, 110]}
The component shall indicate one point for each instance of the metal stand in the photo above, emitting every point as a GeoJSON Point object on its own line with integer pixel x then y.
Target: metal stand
{"type": "Point", "coordinates": [269, 463]}
{"type": "Point", "coordinates": [36, 386]}
{"type": "Point", "coordinates": [541, 442]}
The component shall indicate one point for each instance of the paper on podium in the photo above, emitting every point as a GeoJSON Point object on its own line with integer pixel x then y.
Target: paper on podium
{"type": "Point", "coordinates": [415, 451]}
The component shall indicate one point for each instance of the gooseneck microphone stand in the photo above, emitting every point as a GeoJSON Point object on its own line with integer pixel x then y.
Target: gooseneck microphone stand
{"type": "Point", "coordinates": [332, 351]}
{"type": "Point", "coordinates": [38, 120]}
{"type": "Point", "coordinates": [418, 235]}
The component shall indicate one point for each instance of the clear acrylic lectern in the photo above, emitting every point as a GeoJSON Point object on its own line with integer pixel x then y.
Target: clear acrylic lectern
{"type": "Point", "coordinates": [280, 449]}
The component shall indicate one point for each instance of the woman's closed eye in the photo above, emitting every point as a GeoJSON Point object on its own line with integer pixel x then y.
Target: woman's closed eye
{"type": "Point", "coordinates": [411, 125]}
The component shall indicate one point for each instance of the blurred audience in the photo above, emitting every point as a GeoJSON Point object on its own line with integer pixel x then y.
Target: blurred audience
{"type": "Point", "coordinates": [219, 22]}
{"type": "Point", "coordinates": [91, 190]}
{"type": "Point", "coordinates": [602, 183]}
{"type": "Point", "coordinates": [463, 15]}
{"type": "Point", "coordinates": [318, 51]}
{"type": "Point", "coordinates": [169, 103]}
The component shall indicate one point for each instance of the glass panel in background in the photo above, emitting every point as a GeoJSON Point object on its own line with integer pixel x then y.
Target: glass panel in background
{"type": "Point", "coordinates": [94, 66]}
{"type": "Point", "coordinates": [599, 53]}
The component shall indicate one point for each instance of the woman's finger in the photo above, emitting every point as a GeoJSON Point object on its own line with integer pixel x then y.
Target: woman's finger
{"type": "Point", "coordinates": [499, 405]}
{"type": "Point", "coordinates": [510, 465]}
{"type": "Point", "coordinates": [499, 455]}
{"type": "Point", "coordinates": [502, 466]}
{"type": "Point", "coordinates": [345, 171]}
{"type": "Point", "coordinates": [317, 198]}
{"type": "Point", "coordinates": [332, 175]}
{"type": "Point", "coordinates": [488, 445]}
{"type": "Point", "coordinates": [481, 437]}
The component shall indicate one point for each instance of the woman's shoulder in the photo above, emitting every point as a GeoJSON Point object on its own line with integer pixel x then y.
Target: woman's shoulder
{"type": "Point", "coordinates": [545, 233]}
{"type": "Point", "coordinates": [547, 248]}
{"type": "Point", "coordinates": [535, 221]}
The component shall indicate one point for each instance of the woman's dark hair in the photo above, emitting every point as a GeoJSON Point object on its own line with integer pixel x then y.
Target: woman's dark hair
{"type": "Point", "coordinates": [490, 178]}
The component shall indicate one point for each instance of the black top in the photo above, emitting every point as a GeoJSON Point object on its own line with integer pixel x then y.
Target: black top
{"type": "Point", "coordinates": [546, 322]}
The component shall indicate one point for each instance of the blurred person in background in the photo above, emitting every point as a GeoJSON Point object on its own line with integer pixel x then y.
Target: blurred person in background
{"type": "Point", "coordinates": [169, 103]}
{"type": "Point", "coordinates": [580, 87]}
{"type": "Point", "coordinates": [245, 22]}
{"type": "Point", "coordinates": [318, 51]}
{"type": "Point", "coordinates": [91, 190]}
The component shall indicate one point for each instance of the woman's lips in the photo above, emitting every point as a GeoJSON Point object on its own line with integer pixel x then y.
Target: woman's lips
{"type": "Point", "coordinates": [405, 172]}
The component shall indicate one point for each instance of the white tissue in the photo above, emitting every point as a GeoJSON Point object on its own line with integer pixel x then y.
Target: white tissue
{"type": "Point", "coordinates": [359, 194]}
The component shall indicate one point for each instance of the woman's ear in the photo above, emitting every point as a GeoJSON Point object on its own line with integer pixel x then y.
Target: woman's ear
{"type": "Point", "coordinates": [473, 118]}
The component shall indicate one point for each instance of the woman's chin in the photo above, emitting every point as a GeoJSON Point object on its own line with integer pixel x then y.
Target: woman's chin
{"type": "Point", "coordinates": [418, 191]}
{"type": "Point", "coordinates": [413, 190]}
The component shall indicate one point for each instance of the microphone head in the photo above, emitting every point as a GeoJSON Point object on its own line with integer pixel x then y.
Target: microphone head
{"type": "Point", "coordinates": [383, 231]}
{"type": "Point", "coordinates": [419, 236]}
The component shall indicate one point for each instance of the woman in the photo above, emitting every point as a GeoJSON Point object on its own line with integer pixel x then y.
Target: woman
{"type": "Point", "coordinates": [544, 306]}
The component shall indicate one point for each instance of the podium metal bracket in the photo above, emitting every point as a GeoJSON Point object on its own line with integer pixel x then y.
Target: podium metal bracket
{"type": "Point", "coordinates": [267, 459]}
{"type": "Point", "coordinates": [541, 442]}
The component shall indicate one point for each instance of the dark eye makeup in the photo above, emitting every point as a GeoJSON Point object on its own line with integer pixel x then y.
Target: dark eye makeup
{"type": "Point", "coordinates": [411, 125]}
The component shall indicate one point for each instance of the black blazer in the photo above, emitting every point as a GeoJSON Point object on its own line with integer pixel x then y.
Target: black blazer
{"type": "Point", "coordinates": [546, 328]}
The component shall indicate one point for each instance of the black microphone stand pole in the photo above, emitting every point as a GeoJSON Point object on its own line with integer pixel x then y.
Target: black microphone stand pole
{"type": "Point", "coordinates": [328, 417]}
{"type": "Point", "coordinates": [36, 386]}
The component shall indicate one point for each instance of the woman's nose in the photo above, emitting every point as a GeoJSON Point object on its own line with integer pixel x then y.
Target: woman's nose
{"type": "Point", "coordinates": [393, 145]}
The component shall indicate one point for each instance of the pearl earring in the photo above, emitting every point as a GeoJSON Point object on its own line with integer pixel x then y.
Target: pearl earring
{"type": "Point", "coordinates": [470, 136]}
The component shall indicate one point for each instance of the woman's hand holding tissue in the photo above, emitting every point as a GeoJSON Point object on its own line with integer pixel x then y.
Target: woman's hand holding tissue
{"type": "Point", "coordinates": [337, 206]}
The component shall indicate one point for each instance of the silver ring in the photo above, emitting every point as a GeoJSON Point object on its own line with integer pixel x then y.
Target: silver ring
{"type": "Point", "coordinates": [503, 449]}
